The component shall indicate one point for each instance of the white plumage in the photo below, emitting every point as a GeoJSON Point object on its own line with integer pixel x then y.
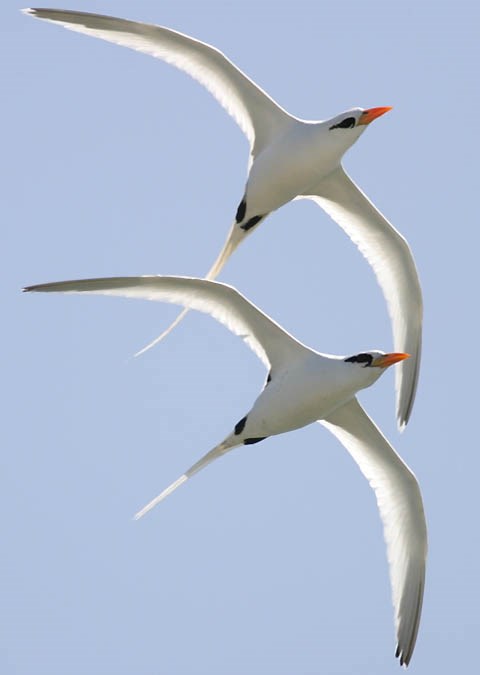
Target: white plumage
{"type": "Point", "coordinates": [289, 158]}
{"type": "Point", "coordinates": [304, 386]}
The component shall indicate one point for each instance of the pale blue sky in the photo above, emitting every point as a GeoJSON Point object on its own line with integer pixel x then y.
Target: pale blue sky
{"type": "Point", "coordinates": [272, 560]}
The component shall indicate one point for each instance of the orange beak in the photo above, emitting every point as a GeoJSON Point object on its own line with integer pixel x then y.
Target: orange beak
{"type": "Point", "coordinates": [389, 359]}
{"type": "Point", "coordinates": [371, 114]}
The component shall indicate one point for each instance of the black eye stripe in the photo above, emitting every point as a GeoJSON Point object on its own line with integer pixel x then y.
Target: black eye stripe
{"type": "Point", "coordinates": [347, 123]}
{"type": "Point", "coordinates": [360, 358]}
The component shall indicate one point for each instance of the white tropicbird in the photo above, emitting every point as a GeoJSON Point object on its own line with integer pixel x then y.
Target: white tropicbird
{"type": "Point", "coordinates": [304, 386]}
{"type": "Point", "coordinates": [289, 158]}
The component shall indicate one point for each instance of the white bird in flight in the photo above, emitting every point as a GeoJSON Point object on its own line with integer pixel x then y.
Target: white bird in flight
{"type": "Point", "coordinates": [304, 386]}
{"type": "Point", "coordinates": [289, 158]}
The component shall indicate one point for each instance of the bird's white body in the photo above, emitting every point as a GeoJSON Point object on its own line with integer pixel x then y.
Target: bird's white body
{"type": "Point", "coordinates": [304, 386]}
{"type": "Point", "coordinates": [293, 164]}
{"type": "Point", "coordinates": [306, 390]}
{"type": "Point", "coordinates": [289, 158]}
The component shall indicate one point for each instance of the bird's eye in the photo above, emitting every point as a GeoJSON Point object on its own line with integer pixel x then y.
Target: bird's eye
{"type": "Point", "coordinates": [347, 123]}
{"type": "Point", "coordinates": [360, 358]}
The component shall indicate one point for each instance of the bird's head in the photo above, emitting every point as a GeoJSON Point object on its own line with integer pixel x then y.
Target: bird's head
{"type": "Point", "coordinates": [349, 125]}
{"type": "Point", "coordinates": [368, 366]}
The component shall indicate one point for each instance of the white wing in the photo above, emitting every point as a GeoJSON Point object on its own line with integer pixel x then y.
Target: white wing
{"type": "Point", "coordinates": [392, 261]}
{"type": "Point", "coordinates": [255, 112]}
{"type": "Point", "coordinates": [273, 345]}
{"type": "Point", "coordinates": [401, 510]}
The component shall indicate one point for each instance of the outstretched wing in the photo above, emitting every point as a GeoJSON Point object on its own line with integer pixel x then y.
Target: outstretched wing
{"type": "Point", "coordinates": [273, 345]}
{"type": "Point", "coordinates": [401, 510]}
{"type": "Point", "coordinates": [255, 112]}
{"type": "Point", "coordinates": [392, 261]}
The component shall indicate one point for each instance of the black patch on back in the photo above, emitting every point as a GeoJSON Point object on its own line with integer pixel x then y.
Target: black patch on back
{"type": "Point", "coordinates": [251, 223]}
{"type": "Point", "coordinates": [240, 426]}
{"type": "Point", "coordinates": [242, 208]}
{"type": "Point", "coordinates": [269, 377]}
{"type": "Point", "coordinates": [251, 441]}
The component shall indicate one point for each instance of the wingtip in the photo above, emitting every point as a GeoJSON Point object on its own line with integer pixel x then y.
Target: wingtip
{"type": "Point", "coordinates": [403, 416]}
{"type": "Point", "coordinates": [29, 10]}
{"type": "Point", "coordinates": [36, 288]}
{"type": "Point", "coordinates": [32, 289]}
{"type": "Point", "coordinates": [407, 388]}
{"type": "Point", "coordinates": [399, 654]}
{"type": "Point", "coordinates": [404, 412]}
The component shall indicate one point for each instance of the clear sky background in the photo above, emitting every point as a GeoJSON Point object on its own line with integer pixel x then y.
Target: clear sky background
{"type": "Point", "coordinates": [272, 560]}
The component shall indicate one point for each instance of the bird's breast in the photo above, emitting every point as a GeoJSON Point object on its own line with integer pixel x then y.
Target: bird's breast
{"type": "Point", "coordinates": [292, 402]}
{"type": "Point", "coordinates": [288, 168]}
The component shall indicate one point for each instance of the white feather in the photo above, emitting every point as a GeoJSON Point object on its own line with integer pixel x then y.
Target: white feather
{"type": "Point", "coordinates": [255, 112]}
{"type": "Point", "coordinates": [392, 261]}
{"type": "Point", "coordinates": [289, 154]}
{"type": "Point", "coordinates": [401, 509]}
{"type": "Point", "coordinates": [272, 344]}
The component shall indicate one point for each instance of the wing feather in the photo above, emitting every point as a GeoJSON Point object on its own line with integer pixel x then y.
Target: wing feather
{"type": "Point", "coordinates": [401, 509]}
{"type": "Point", "coordinates": [258, 115]}
{"type": "Point", "coordinates": [392, 261]}
{"type": "Point", "coordinates": [271, 343]}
